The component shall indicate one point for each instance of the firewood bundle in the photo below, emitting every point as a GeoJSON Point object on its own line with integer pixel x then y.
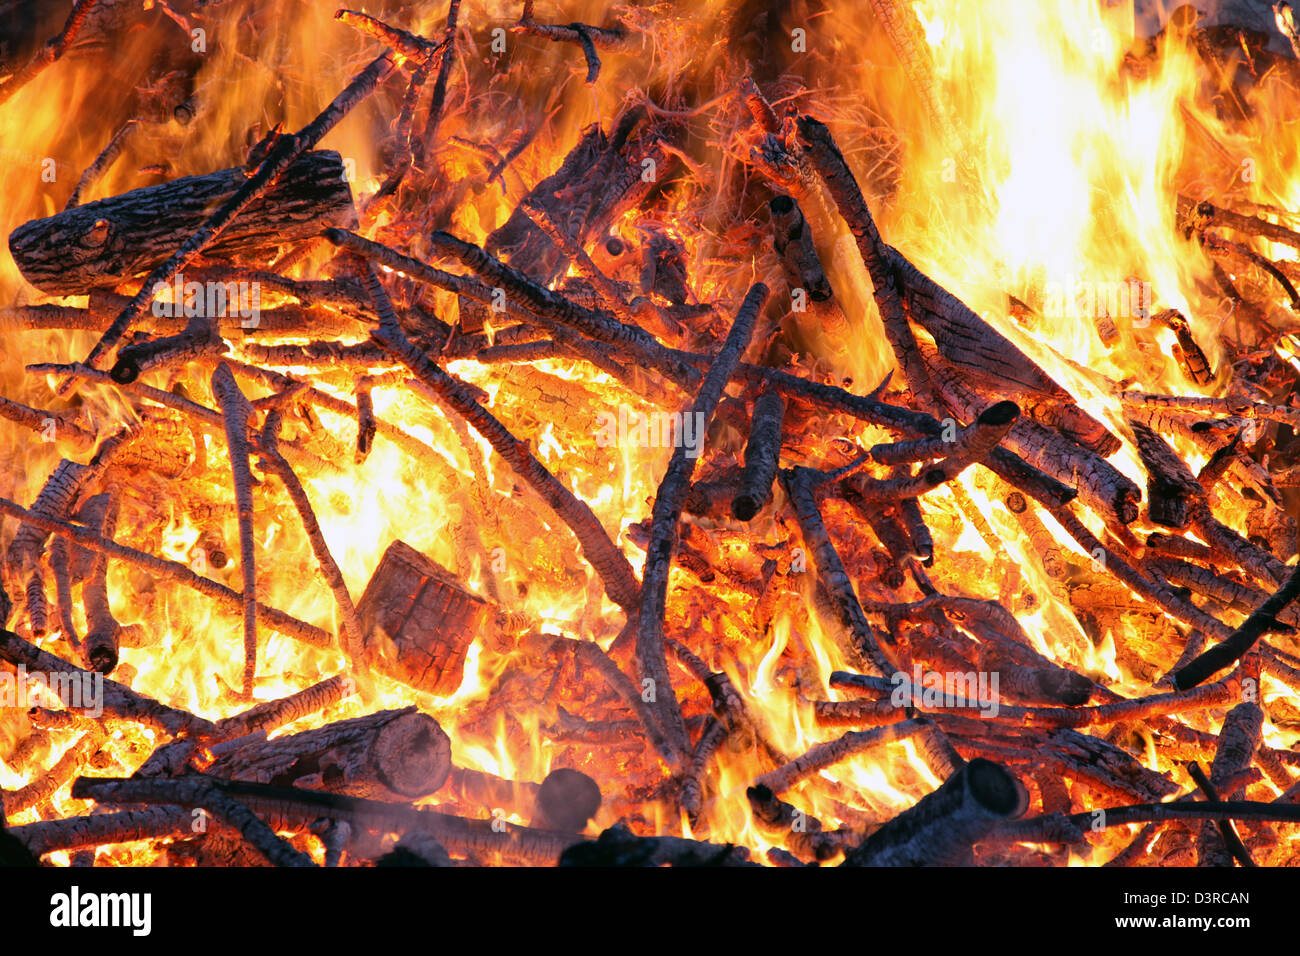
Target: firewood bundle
{"type": "Point", "coordinates": [521, 500]}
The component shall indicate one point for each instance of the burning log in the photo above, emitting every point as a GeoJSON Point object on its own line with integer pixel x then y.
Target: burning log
{"type": "Point", "coordinates": [792, 238]}
{"type": "Point", "coordinates": [827, 754]}
{"type": "Point", "coordinates": [599, 180]}
{"type": "Point", "coordinates": [1195, 364]}
{"type": "Point", "coordinates": [198, 339]}
{"type": "Point", "coordinates": [762, 456]}
{"type": "Point", "coordinates": [608, 561]}
{"type": "Point", "coordinates": [609, 295]}
{"type": "Point", "coordinates": [829, 163]}
{"type": "Point", "coordinates": [40, 420]}
{"type": "Point", "coordinates": [1101, 485]}
{"type": "Point", "coordinates": [237, 411]}
{"type": "Point", "coordinates": [918, 531]}
{"type": "Point", "coordinates": [291, 808]}
{"type": "Point", "coordinates": [102, 244]}
{"type": "Point", "coordinates": [992, 363]}
{"type": "Point", "coordinates": [941, 829]}
{"type": "Point", "coordinates": [805, 834]}
{"type": "Point", "coordinates": [351, 621]}
{"type": "Point", "coordinates": [37, 607]}
{"type": "Point", "coordinates": [127, 826]}
{"type": "Point", "coordinates": [420, 849]}
{"type": "Point", "coordinates": [390, 755]}
{"type": "Point", "coordinates": [1174, 702]}
{"type": "Point", "coordinates": [588, 37]}
{"type": "Point", "coordinates": [55, 500]}
{"type": "Point", "coordinates": [277, 713]}
{"type": "Point", "coordinates": [1170, 483]}
{"type": "Point", "coordinates": [171, 570]}
{"type": "Point", "coordinates": [715, 732]}
{"type": "Point", "coordinates": [1238, 740]}
{"type": "Point", "coordinates": [799, 484]}
{"type": "Point", "coordinates": [286, 151]}
{"type": "Point", "coordinates": [103, 632]}
{"type": "Point", "coordinates": [410, 47]}
{"type": "Point", "coordinates": [44, 788]}
{"type": "Point", "coordinates": [417, 622]}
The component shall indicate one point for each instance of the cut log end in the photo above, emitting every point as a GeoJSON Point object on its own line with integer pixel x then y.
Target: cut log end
{"type": "Point", "coordinates": [566, 800]}
{"type": "Point", "coordinates": [999, 414]}
{"type": "Point", "coordinates": [413, 754]}
{"type": "Point", "coordinates": [994, 788]}
{"type": "Point", "coordinates": [744, 507]}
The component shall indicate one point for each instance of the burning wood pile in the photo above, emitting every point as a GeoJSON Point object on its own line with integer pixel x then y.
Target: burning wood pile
{"type": "Point", "coordinates": [539, 454]}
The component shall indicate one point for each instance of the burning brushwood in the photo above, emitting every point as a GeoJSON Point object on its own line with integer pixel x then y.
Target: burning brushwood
{"type": "Point", "coordinates": [461, 360]}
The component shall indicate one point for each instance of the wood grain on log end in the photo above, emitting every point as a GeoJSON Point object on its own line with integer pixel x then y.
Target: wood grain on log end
{"type": "Point", "coordinates": [418, 622]}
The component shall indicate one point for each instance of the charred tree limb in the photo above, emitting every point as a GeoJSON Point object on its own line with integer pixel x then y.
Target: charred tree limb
{"type": "Point", "coordinates": [652, 663]}
{"type": "Point", "coordinates": [799, 484]}
{"type": "Point", "coordinates": [1214, 406]}
{"type": "Point", "coordinates": [827, 754]}
{"type": "Point", "coordinates": [199, 338]}
{"type": "Point", "coordinates": [390, 755]}
{"type": "Point", "coordinates": [405, 44]}
{"type": "Point", "coordinates": [237, 412]}
{"type": "Point", "coordinates": [1220, 246]}
{"type": "Point", "coordinates": [102, 629]}
{"type": "Point", "coordinates": [197, 792]}
{"type": "Point", "coordinates": [691, 799]}
{"type": "Point", "coordinates": [53, 49]}
{"type": "Point", "coordinates": [54, 500]}
{"type": "Point", "coordinates": [107, 156]}
{"type": "Point", "coordinates": [1234, 647]}
{"type": "Point", "coordinates": [618, 846]}
{"type": "Point", "coordinates": [762, 455]}
{"type": "Point", "coordinates": [1171, 486]}
{"type": "Point", "coordinates": [41, 790]}
{"type": "Point", "coordinates": [793, 240]}
{"type": "Point", "coordinates": [826, 159]}
{"type": "Point", "coordinates": [332, 573]}
{"type": "Point", "coordinates": [128, 826]}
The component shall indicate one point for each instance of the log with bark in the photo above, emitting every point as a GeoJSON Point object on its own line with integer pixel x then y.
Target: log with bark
{"type": "Point", "coordinates": [100, 245]}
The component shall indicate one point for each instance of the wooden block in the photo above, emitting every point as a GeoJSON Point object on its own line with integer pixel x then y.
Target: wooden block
{"type": "Point", "coordinates": [419, 621]}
